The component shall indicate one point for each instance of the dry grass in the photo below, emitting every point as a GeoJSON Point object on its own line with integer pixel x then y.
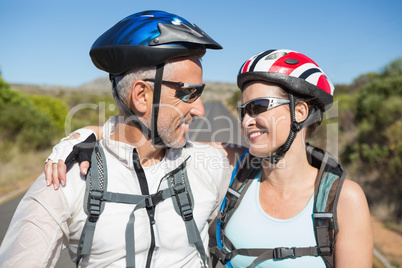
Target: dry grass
{"type": "Point", "coordinates": [389, 243]}
{"type": "Point", "coordinates": [20, 169]}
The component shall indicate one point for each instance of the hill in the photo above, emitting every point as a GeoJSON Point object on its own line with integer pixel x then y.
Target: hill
{"type": "Point", "coordinates": [214, 91]}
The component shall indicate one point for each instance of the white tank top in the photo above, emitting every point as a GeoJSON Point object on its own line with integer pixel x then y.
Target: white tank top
{"type": "Point", "coordinates": [251, 227]}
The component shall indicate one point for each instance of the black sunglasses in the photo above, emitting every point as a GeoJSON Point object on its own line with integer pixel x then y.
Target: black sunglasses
{"type": "Point", "coordinates": [188, 92]}
{"type": "Point", "coordinates": [257, 106]}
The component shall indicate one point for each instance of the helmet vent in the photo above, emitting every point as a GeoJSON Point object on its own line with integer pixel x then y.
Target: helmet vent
{"type": "Point", "coordinates": [176, 22]}
{"type": "Point", "coordinates": [276, 55]}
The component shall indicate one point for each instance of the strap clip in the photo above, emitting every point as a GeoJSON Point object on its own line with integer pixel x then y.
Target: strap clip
{"type": "Point", "coordinates": [149, 203]}
{"type": "Point", "coordinates": [95, 205]}
{"type": "Point", "coordinates": [323, 250]}
{"type": "Point", "coordinates": [227, 256]}
{"type": "Point", "coordinates": [283, 253]}
{"type": "Point", "coordinates": [179, 188]}
{"type": "Point", "coordinates": [222, 216]}
{"type": "Point", "coordinates": [187, 213]}
{"type": "Point", "coordinates": [96, 194]}
{"type": "Point", "coordinates": [153, 199]}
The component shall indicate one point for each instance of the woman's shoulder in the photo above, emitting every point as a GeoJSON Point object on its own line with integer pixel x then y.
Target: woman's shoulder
{"type": "Point", "coordinates": [352, 205]}
{"type": "Point", "coordinates": [351, 193]}
{"type": "Point", "coordinates": [355, 230]}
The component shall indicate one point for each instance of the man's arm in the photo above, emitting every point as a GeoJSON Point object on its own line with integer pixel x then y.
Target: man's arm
{"type": "Point", "coordinates": [354, 242]}
{"type": "Point", "coordinates": [55, 169]}
{"type": "Point", "coordinates": [231, 150]}
{"type": "Point", "coordinates": [35, 235]}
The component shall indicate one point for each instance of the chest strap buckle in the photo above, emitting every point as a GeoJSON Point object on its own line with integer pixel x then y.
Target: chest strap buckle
{"type": "Point", "coordinates": [283, 253]}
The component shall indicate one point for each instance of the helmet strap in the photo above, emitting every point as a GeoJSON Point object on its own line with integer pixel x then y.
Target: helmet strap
{"type": "Point", "coordinates": [153, 133]}
{"type": "Point", "coordinates": [295, 127]}
{"type": "Point", "coordinates": [156, 139]}
{"type": "Point", "coordinates": [134, 118]}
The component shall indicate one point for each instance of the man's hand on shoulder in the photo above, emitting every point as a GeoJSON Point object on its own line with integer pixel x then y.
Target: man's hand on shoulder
{"type": "Point", "coordinates": [77, 146]}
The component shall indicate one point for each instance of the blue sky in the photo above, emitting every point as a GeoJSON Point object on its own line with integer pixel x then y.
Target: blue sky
{"type": "Point", "coordinates": [47, 42]}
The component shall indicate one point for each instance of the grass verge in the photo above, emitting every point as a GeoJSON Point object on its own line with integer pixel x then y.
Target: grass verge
{"type": "Point", "coordinates": [20, 170]}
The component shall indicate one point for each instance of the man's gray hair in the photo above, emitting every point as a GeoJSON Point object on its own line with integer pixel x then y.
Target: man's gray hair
{"type": "Point", "coordinates": [123, 83]}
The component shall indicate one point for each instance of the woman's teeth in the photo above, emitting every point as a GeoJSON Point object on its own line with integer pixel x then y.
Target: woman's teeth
{"type": "Point", "coordinates": [255, 134]}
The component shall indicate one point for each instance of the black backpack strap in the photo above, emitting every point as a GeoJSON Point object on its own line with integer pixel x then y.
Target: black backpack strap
{"type": "Point", "coordinates": [278, 253]}
{"type": "Point", "coordinates": [180, 192]}
{"type": "Point", "coordinates": [148, 202]}
{"type": "Point", "coordinates": [96, 183]}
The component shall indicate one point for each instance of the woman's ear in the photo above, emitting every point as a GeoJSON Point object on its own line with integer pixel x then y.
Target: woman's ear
{"type": "Point", "coordinates": [141, 97]}
{"type": "Point", "coordinates": [301, 111]}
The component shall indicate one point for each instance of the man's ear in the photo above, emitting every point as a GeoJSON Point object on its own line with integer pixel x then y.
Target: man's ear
{"type": "Point", "coordinates": [141, 97]}
{"type": "Point", "coordinates": [301, 111]}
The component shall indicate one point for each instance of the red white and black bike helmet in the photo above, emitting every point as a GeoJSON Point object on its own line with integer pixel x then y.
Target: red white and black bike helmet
{"type": "Point", "coordinates": [294, 71]}
{"type": "Point", "coordinates": [299, 75]}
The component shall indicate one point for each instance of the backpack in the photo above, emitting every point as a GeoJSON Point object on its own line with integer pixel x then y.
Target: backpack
{"type": "Point", "coordinates": [96, 195]}
{"type": "Point", "coordinates": [326, 194]}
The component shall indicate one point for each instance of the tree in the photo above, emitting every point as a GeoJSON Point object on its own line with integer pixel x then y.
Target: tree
{"type": "Point", "coordinates": [393, 69]}
{"type": "Point", "coordinates": [378, 149]}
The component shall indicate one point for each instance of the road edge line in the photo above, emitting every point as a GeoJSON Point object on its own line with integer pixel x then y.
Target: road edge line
{"type": "Point", "coordinates": [13, 194]}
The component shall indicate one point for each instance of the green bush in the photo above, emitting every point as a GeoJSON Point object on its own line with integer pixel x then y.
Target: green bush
{"type": "Point", "coordinates": [378, 116]}
{"type": "Point", "coordinates": [89, 109]}
{"type": "Point", "coordinates": [26, 127]}
{"type": "Point", "coordinates": [9, 96]}
{"type": "Point", "coordinates": [56, 109]}
{"type": "Point", "coordinates": [30, 123]}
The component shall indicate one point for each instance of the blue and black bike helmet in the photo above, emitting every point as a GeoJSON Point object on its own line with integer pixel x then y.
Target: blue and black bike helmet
{"type": "Point", "coordinates": [148, 38]}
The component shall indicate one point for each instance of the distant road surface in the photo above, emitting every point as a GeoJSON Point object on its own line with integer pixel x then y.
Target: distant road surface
{"type": "Point", "coordinates": [218, 125]}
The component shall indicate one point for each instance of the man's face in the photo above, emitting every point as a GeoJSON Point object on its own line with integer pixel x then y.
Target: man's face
{"type": "Point", "coordinates": [175, 115]}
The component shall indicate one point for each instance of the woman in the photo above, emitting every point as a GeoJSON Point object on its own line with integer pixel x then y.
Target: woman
{"type": "Point", "coordinates": [289, 204]}
{"type": "Point", "coordinates": [272, 210]}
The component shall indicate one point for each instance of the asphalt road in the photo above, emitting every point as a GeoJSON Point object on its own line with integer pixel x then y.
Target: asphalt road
{"type": "Point", "coordinates": [218, 125]}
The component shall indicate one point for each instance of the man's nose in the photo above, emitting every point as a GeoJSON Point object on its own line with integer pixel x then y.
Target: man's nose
{"type": "Point", "coordinates": [197, 108]}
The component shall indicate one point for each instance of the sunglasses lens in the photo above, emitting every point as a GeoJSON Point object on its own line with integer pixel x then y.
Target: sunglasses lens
{"type": "Point", "coordinates": [253, 108]}
{"type": "Point", "coordinates": [189, 94]}
{"type": "Point", "coordinates": [241, 113]}
{"type": "Point", "coordinates": [257, 106]}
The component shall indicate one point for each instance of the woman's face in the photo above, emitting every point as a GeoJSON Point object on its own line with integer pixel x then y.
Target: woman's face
{"type": "Point", "coordinates": [266, 131]}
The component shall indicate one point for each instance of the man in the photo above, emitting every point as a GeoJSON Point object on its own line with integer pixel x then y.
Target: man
{"type": "Point", "coordinates": [153, 59]}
